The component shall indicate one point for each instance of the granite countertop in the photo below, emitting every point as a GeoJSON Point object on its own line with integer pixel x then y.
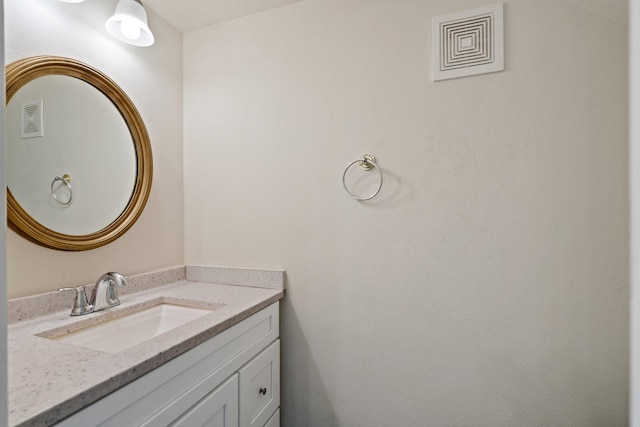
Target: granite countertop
{"type": "Point", "coordinates": [50, 380]}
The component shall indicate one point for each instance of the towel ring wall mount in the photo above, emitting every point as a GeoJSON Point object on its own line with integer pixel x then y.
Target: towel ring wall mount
{"type": "Point", "coordinates": [367, 162]}
{"type": "Point", "coordinates": [66, 180]}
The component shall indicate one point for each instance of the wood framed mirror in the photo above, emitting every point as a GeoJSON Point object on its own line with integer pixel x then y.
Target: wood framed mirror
{"type": "Point", "coordinates": [79, 165]}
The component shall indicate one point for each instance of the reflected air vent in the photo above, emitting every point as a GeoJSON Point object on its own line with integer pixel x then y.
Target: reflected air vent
{"type": "Point", "coordinates": [468, 43]}
{"type": "Point", "coordinates": [32, 119]}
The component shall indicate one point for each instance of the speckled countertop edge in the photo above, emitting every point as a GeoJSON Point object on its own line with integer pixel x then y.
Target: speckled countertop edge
{"type": "Point", "coordinates": [50, 380]}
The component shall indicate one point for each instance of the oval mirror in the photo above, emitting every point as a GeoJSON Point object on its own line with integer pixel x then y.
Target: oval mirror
{"type": "Point", "coordinates": [78, 156]}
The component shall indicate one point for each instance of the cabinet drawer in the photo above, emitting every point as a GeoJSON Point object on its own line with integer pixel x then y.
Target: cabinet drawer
{"type": "Point", "coordinates": [275, 420]}
{"type": "Point", "coordinates": [260, 387]}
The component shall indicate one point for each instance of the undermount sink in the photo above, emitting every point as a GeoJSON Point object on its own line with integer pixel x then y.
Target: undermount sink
{"type": "Point", "coordinates": [120, 333]}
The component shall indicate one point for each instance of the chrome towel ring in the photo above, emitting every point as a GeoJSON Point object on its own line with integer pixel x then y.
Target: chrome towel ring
{"type": "Point", "coordinates": [66, 180]}
{"type": "Point", "coordinates": [367, 162]}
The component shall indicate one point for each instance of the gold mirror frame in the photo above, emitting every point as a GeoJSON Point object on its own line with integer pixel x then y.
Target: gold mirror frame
{"type": "Point", "coordinates": [25, 70]}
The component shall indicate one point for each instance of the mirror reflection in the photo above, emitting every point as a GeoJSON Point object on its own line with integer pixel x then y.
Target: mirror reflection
{"type": "Point", "coordinates": [60, 125]}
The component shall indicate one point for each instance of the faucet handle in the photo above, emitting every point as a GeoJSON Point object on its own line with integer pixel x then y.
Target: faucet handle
{"type": "Point", "coordinates": [80, 303]}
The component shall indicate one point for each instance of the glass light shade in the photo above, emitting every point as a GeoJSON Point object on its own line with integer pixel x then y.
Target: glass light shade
{"type": "Point", "coordinates": [72, 1]}
{"type": "Point", "coordinates": [129, 24]}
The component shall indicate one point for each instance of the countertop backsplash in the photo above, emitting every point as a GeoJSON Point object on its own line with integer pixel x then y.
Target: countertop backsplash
{"type": "Point", "coordinates": [32, 306]}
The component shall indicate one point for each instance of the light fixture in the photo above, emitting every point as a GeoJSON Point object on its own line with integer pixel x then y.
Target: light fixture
{"type": "Point", "coordinates": [72, 1]}
{"type": "Point", "coordinates": [129, 23]}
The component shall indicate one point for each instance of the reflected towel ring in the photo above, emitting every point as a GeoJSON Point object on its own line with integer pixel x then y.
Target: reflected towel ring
{"type": "Point", "coordinates": [367, 162]}
{"type": "Point", "coordinates": [66, 180]}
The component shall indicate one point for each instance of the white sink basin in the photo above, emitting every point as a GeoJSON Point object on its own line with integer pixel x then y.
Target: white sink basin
{"type": "Point", "coordinates": [126, 331]}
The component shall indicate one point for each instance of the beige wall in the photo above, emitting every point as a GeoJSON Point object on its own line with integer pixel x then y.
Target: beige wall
{"type": "Point", "coordinates": [152, 77]}
{"type": "Point", "coordinates": [487, 284]}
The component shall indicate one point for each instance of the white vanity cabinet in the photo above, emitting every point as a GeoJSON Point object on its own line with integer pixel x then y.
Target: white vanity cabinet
{"type": "Point", "coordinates": [230, 380]}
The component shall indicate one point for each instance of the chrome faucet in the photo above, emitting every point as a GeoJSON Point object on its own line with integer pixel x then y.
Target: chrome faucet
{"type": "Point", "coordinates": [103, 296]}
{"type": "Point", "coordinates": [105, 293]}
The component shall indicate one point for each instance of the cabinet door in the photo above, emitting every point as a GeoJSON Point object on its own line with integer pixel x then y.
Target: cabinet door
{"type": "Point", "coordinates": [218, 409]}
{"type": "Point", "coordinates": [260, 387]}
{"type": "Point", "coordinates": [275, 420]}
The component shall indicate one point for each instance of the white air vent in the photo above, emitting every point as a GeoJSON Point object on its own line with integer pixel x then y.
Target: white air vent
{"type": "Point", "coordinates": [32, 119]}
{"type": "Point", "coordinates": [468, 43]}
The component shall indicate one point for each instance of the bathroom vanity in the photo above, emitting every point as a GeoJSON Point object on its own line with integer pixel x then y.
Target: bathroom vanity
{"type": "Point", "coordinates": [221, 368]}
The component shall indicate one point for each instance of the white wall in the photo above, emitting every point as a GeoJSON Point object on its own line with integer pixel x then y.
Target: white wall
{"type": "Point", "coordinates": [488, 283]}
{"type": "Point", "coordinates": [152, 78]}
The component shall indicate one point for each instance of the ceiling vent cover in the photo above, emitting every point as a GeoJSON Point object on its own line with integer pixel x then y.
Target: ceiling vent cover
{"type": "Point", "coordinates": [32, 121]}
{"type": "Point", "coordinates": [468, 43]}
